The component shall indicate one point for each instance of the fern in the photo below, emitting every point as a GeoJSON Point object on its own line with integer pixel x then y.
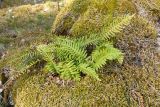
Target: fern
{"type": "Point", "coordinates": [116, 26]}
{"type": "Point", "coordinates": [86, 69]}
{"type": "Point", "coordinates": [69, 49]}
{"type": "Point", "coordinates": [68, 70]}
{"type": "Point", "coordinates": [93, 39]}
{"type": "Point", "coordinates": [68, 56]}
{"type": "Point", "coordinates": [104, 53]}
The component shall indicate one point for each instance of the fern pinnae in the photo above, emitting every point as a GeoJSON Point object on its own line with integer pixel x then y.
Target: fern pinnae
{"type": "Point", "coordinates": [104, 53]}
{"type": "Point", "coordinates": [68, 70]}
{"type": "Point", "coordinates": [116, 26]}
{"type": "Point", "coordinates": [86, 69]}
{"type": "Point", "coordinates": [71, 49]}
{"type": "Point", "coordinates": [92, 39]}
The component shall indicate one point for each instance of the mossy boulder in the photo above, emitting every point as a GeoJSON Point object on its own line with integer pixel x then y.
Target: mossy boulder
{"type": "Point", "coordinates": [83, 17]}
{"type": "Point", "coordinates": [68, 15]}
{"type": "Point", "coordinates": [134, 83]}
{"type": "Point", "coordinates": [34, 91]}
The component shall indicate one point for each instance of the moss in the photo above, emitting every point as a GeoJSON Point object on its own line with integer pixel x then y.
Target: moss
{"type": "Point", "coordinates": [68, 15]}
{"type": "Point", "coordinates": [29, 27]}
{"type": "Point", "coordinates": [138, 41]}
{"type": "Point", "coordinates": [20, 21]}
{"type": "Point", "coordinates": [140, 68]}
{"type": "Point", "coordinates": [127, 7]}
{"type": "Point", "coordinates": [11, 3]}
{"type": "Point", "coordinates": [32, 91]}
{"type": "Point", "coordinates": [89, 16]}
{"type": "Point", "coordinates": [141, 28]}
{"type": "Point", "coordinates": [91, 22]}
{"type": "Point", "coordinates": [149, 9]}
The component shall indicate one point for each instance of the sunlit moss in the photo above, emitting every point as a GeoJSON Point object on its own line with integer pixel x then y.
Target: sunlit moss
{"type": "Point", "coordinates": [68, 15]}
{"type": "Point", "coordinates": [82, 16]}
{"type": "Point", "coordinates": [88, 92]}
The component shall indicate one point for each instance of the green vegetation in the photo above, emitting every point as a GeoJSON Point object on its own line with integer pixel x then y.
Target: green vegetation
{"type": "Point", "coordinates": [69, 58]}
{"type": "Point", "coordinates": [96, 53]}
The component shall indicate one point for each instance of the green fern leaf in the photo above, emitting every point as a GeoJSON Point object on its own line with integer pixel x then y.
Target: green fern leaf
{"type": "Point", "coordinates": [116, 26]}
{"type": "Point", "coordinates": [86, 69]}
{"type": "Point", "coordinates": [67, 49]}
{"type": "Point", "coordinates": [104, 53]}
{"type": "Point", "coordinates": [68, 71]}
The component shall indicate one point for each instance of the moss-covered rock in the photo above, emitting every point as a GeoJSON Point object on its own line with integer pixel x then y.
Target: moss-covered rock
{"type": "Point", "coordinates": [83, 17]}
{"type": "Point", "coordinates": [32, 90]}
{"type": "Point", "coordinates": [135, 83]}
{"type": "Point", "coordinates": [68, 15]}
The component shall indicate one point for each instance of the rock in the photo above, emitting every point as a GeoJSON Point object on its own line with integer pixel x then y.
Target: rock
{"type": "Point", "coordinates": [12, 33]}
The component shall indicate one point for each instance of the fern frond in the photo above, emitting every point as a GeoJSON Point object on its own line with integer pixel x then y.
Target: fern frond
{"type": "Point", "coordinates": [116, 26]}
{"type": "Point", "coordinates": [102, 54]}
{"type": "Point", "coordinates": [24, 60]}
{"type": "Point", "coordinates": [93, 39]}
{"type": "Point", "coordinates": [47, 53]}
{"type": "Point", "coordinates": [51, 67]}
{"type": "Point", "coordinates": [68, 70]}
{"type": "Point", "coordinates": [67, 49]}
{"type": "Point", "coordinates": [86, 69]}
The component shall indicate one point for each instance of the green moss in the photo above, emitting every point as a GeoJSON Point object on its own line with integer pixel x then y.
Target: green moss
{"type": "Point", "coordinates": [32, 90]}
{"type": "Point", "coordinates": [83, 17]}
{"type": "Point", "coordinates": [68, 15]}
{"type": "Point", "coordinates": [91, 22]}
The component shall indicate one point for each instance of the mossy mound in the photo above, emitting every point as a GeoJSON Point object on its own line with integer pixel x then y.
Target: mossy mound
{"type": "Point", "coordinates": [135, 83]}
{"type": "Point", "coordinates": [83, 17]}
{"type": "Point", "coordinates": [32, 91]}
